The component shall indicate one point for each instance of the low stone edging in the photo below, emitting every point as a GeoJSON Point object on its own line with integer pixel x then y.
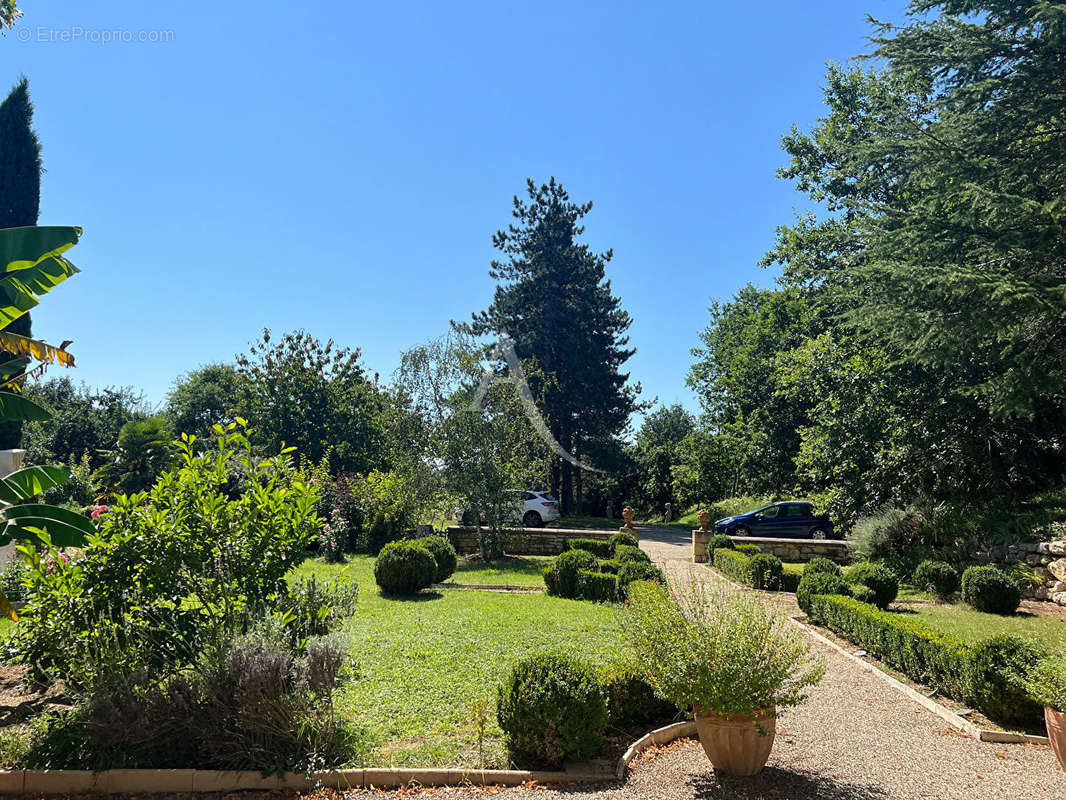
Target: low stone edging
{"type": "Point", "coordinates": [142, 781]}
{"type": "Point", "coordinates": [657, 738]}
{"type": "Point", "coordinates": [135, 781]}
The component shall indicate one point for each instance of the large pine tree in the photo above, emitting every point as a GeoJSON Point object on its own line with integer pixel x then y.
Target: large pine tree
{"type": "Point", "coordinates": [20, 196]}
{"type": "Point", "coordinates": [555, 302]}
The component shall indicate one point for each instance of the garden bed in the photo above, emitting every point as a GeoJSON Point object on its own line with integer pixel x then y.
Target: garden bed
{"type": "Point", "coordinates": [426, 663]}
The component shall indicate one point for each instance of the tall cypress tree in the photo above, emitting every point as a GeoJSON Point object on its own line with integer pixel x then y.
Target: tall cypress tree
{"type": "Point", "coordinates": [555, 302]}
{"type": "Point", "coordinates": [20, 197]}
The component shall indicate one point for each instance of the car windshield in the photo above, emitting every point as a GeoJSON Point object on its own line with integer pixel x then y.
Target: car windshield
{"type": "Point", "coordinates": [763, 510]}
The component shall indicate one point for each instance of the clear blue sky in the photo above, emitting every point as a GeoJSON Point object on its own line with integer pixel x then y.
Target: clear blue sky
{"type": "Point", "coordinates": [341, 167]}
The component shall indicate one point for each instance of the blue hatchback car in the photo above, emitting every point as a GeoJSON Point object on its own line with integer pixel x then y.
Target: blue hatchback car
{"type": "Point", "coordinates": [787, 519]}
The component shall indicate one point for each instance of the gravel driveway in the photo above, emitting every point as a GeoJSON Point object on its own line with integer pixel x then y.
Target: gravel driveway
{"type": "Point", "coordinates": [855, 738]}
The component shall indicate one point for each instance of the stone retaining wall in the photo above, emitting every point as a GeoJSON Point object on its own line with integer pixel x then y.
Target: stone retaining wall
{"type": "Point", "coordinates": [524, 541]}
{"type": "Point", "coordinates": [785, 549]}
{"type": "Point", "coordinates": [1047, 560]}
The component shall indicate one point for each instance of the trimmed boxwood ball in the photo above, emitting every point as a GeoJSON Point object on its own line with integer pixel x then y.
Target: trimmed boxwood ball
{"type": "Point", "coordinates": [937, 577]}
{"type": "Point", "coordinates": [404, 568]}
{"type": "Point", "coordinates": [863, 593]}
{"type": "Point", "coordinates": [597, 547]}
{"type": "Point", "coordinates": [821, 564]}
{"type": "Point", "coordinates": [627, 539]}
{"type": "Point", "coordinates": [624, 553]}
{"type": "Point", "coordinates": [990, 590]}
{"type": "Point", "coordinates": [565, 569]}
{"type": "Point", "coordinates": [764, 572]}
{"type": "Point", "coordinates": [748, 549]}
{"type": "Point", "coordinates": [630, 699]}
{"type": "Point", "coordinates": [443, 553]}
{"type": "Point", "coordinates": [551, 709]}
{"type": "Point", "coordinates": [1000, 667]}
{"type": "Point", "coordinates": [879, 578]}
{"type": "Point", "coordinates": [815, 583]}
{"type": "Point", "coordinates": [637, 571]}
{"type": "Point", "coordinates": [719, 540]}
{"type": "Point", "coordinates": [600, 587]}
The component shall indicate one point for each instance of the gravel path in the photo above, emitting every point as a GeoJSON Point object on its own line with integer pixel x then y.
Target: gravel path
{"type": "Point", "coordinates": [856, 738]}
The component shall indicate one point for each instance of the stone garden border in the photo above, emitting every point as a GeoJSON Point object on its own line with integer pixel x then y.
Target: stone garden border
{"type": "Point", "coordinates": [657, 738]}
{"type": "Point", "coordinates": [148, 781]}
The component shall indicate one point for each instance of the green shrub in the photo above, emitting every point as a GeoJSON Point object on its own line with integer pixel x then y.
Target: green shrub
{"type": "Point", "coordinates": [790, 582]}
{"type": "Point", "coordinates": [404, 568]}
{"type": "Point", "coordinates": [13, 579]}
{"type": "Point", "coordinates": [204, 530]}
{"type": "Point", "coordinates": [627, 539]}
{"type": "Point", "coordinates": [1000, 668]}
{"type": "Point", "coordinates": [252, 705]}
{"type": "Point", "coordinates": [822, 564]}
{"type": "Point", "coordinates": [937, 577]}
{"type": "Point", "coordinates": [624, 553]}
{"type": "Point", "coordinates": [565, 570]}
{"type": "Point", "coordinates": [886, 533]}
{"type": "Point", "coordinates": [990, 590]}
{"type": "Point", "coordinates": [726, 652]}
{"type": "Point", "coordinates": [317, 607]}
{"type": "Point", "coordinates": [443, 553]}
{"type": "Point", "coordinates": [631, 701]}
{"type": "Point", "coordinates": [748, 549]}
{"type": "Point", "coordinates": [608, 566]}
{"type": "Point", "coordinates": [764, 572]}
{"type": "Point", "coordinates": [548, 573]}
{"type": "Point", "coordinates": [1047, 683]}
{"type": "Point", "coordinates": [732, 563]}
{"type": "Point", "coordinates": [719, 540]}
{"type": "Point", "coordinates": [551, 709]}
{"type": "Point", "coordinates": [600, 587]}
{"type": "Point", "coordinates": [818, 583]}
{"type": "Point", "coordinates": [863, 593]}
{"type": "Point", "coordinates": [991, 676]}
{"type": "Point", "coordinates": [597, 547]}
{"type": "Point", "coordinates": [920, 652]}
{"type": "Point", "coordinates": [636, 571]}
{"type": "Point", "coordinates": [879, 578]}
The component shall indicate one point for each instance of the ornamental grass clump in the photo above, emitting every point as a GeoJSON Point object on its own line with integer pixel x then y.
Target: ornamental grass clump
{"type": "Point", "coordinates": [719, 652]}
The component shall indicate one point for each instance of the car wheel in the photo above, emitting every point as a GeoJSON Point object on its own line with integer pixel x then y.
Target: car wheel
{"type": "Point", "coordinates": [819, 533]}
{"type": "Point", "coordinates": [532, 520]}
{"type": "Point", "coordinates": [742, 530]}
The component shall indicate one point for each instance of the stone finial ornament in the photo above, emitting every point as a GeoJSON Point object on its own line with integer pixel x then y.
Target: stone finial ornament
{"type": "Point", "coordinates": [704, 517]}
{"type": "Point", "coordinates": [628, 514]}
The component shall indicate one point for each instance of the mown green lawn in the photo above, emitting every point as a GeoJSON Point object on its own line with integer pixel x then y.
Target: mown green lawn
{"type": "Point", "coordinates": [514, 571]}
{"type": "Point", "coordinates": [425, 663]}
{"type": "Point", "coordinates": [969, 625]}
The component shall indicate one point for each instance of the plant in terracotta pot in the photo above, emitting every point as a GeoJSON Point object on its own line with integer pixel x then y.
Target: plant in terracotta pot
{"type": "Point", "coordinates": [726, 656]}
{"type": "Point", "coordinates": [1047, 685]}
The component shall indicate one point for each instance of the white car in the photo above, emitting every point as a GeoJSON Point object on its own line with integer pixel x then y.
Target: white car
{"type": "Point", "coordinates": [535, 508]}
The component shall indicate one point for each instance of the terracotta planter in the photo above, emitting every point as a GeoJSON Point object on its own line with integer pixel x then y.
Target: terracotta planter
{"type": "Point", "coordinates": [736, 746]}
{"type": "Point", "coordinates": [1056, 732]}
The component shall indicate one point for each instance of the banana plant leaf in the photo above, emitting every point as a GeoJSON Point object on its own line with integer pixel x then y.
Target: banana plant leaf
{"type": "Point", "coordinates": [17, 407]}
{"type": "Point", "coordinates": [31, 265]}
{"type": "Point", "coordinates": [10, 369]}
{"type": "Point", "coordinates": [31, 481]}
{"type": "Point", "coordinates": [65, 528]}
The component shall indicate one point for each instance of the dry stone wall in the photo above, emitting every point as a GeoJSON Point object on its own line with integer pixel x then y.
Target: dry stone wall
{"type": "Point", "coordinates": [1047, 560]}
{"type": "Point", "coordinates": [524, 541]}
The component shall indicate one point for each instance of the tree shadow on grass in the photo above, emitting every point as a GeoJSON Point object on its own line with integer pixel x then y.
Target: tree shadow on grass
{"type": "Point", "coordinates": [421, 597]}
{"type": "Point", "coordinates": [774, 783]}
